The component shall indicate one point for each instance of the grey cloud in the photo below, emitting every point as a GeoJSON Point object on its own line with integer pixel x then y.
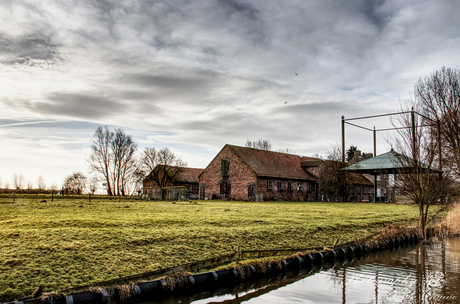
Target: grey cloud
{"type": "Point", "coordinates": [318, 110]}
{"type": "Point", "coordinates": [185, 86]}
{"type": "Point", "coordinates": [232, 7]}
{"type": "Point", "coordinates": [74, 105]}
{"type": "Point", "coordinates": [186, 82]}
{"type": "Point", "coordinates": [32, 46]}
{"type": "Point", "coordinates": [375, 13]}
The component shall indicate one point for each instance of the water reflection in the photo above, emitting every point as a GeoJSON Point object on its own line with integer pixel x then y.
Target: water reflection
{"type": "Point", "coordinates": [420, 274]}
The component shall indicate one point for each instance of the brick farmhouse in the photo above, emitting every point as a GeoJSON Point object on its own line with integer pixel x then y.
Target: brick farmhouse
{"type": "Point", "coordinates": [243, 173]}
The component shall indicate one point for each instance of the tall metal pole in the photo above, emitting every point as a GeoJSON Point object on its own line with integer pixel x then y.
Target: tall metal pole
{"type": "Point", "coordinates": [375, 154]}
{"type": "Point", "coordinates": [414, 149]}
{"type": "Point", "coordinates": [375, 142]}
{"type": "Point", "coordinates": [343, 139]}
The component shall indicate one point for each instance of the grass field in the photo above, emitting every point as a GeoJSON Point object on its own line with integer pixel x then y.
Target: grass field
{"type": "Point", "coordinates": [72, 242]}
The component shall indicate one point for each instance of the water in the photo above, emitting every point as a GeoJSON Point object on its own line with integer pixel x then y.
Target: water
{"type": "Point", "coordinates": [419, 274]}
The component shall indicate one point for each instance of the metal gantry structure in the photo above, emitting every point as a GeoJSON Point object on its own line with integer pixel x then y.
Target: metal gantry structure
{"type": "Point", "coordinates": [413, 128]}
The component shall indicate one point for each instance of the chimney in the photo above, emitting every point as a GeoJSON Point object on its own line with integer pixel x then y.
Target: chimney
{"type": "Point", "coordinates": [356, 155]}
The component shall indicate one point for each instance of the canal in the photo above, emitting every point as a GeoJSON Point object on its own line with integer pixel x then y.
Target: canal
{"type": "Point", "coordinates": [425, 273]}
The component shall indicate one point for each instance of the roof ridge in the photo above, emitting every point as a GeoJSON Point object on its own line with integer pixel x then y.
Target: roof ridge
{"type": "Point", "coordinates": [264, 150]}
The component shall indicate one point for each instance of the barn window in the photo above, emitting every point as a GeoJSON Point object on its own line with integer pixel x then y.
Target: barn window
{"type": "Point", "coordinates": [280, 186]}
{"type": "Point", "coordinates": [224, 167]}
{"type": "Point", "coordinates": [269, 185]}
{"type": "Point", "coordinates": [289, 186]}
{"type": "Point", "coordinates": [299, 186]}
{"type": "Point", "coordinates": [308, 187]}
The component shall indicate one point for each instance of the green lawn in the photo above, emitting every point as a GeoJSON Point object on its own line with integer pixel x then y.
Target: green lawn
{"type": "Point", "coordinates": [72, 242]}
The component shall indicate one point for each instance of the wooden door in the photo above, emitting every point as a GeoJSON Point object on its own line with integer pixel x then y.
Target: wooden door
{"type": "Point", "coordinates": [251, 192]}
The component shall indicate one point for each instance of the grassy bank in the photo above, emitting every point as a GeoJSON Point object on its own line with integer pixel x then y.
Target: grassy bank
{"type": "Point", "coordinates": [452, 220]}
{"type": "Point", "coordinates": [72, 242]}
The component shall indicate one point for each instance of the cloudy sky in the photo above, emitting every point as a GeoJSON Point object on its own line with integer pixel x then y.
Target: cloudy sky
{"type": "Point", "coordinates": [195, 75]}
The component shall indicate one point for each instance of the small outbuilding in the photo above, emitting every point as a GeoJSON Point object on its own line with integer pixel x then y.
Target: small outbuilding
{"type": "Point", "coordinates": [175, 177]}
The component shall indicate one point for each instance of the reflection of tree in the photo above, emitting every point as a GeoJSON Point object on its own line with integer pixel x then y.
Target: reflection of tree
{"type": "Point", "coordinates": [426, 274]}
{"type": "Point", "coordinates": [376, 286]}
{"type": "Point", "coordinates": [344, 284]}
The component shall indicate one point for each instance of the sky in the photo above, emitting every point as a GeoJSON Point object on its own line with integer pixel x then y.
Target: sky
{"type": "Point", "coordinates": [196, 75]}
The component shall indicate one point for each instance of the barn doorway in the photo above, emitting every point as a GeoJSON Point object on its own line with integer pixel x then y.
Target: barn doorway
{"type": "Point", "coordinates": [225, 189]}
{"type": "Point", "coordinates": [251, 192]}
{"type": "Point", "coordinates": [202, 191]}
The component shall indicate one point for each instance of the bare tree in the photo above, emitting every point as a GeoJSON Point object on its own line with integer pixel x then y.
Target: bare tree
{"type": "Point", "coordinates": [317, 155]}
{"type": "Point", "coordinates": [262, 144]}
{"type": "Point", "coordinates": [438, 97]}
{"type": "Point", "coordinates": [168, 167]}
{"type": "Point", "coordinates": [75, 183]}
{"type": "Point", "coordinates": [41, 183]}
{"type": "Point", "coordinates": [101, 159]}
{"type": "Point", "coordinates": [334, 182]}
{"type": "Point", "coordinates": [18, 181]}
{"type": "Point", "coordinates": [417, 151]}
{"type": "Point", "coordinates": [6, 185]}
{"type": "Point", "coordinates": [287, 150]}
{"type": "Point", "coordinates": [93, 184]}
{"type": "Point", "coordinates": [113, 157]}
{"type": "Point", "coordinates": [265, 144]}
{"type": "Point", "coordinates": [30, 185]}
{"type": "Point", "coordinates": [148, 161]}
{"type": "Point", "coordinates": [53, 187]}
{"type": "Point", "coordinates": [123, 148]}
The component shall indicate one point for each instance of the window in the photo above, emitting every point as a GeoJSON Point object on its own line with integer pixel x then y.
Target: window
{"type": "Point", "coordinates": [391, 180]}
{"type": "Point", "coordinates": [289, 186]}
{"type": "Point", "coordinates": [378, 178]}
{"type": "Point", "coordinates": [224, 167]}
{"type": "Point", "coordinates": [269, 185]}
{"type": "Point", "coordinates": [358, 190]}
{"type": "Point", "coordinates": [280, 186]}
{"type": "Point", "coordinates": [308, 187]}
{"type": "Point", "coordinates": [299, 187]}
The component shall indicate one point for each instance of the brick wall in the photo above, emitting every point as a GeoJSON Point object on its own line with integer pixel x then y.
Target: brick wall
{"type": "Point", "coordinates": [240, 175]}
{"type": "Point", "coordinates": [307, 192]}
{"type": "Point", "coordinates": [149, 186]}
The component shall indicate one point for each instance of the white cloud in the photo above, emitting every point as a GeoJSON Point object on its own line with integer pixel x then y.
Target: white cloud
{"type": "Point", "coordinates": [196, 75]}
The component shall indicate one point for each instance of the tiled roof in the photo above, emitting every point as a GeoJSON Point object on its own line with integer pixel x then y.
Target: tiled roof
{"type": "Point", "coordinates": [272, 164]}
{"type": "Point", "coordinates": [189, 175]}
{"type": "Point", "coordinates": [311, 163]}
